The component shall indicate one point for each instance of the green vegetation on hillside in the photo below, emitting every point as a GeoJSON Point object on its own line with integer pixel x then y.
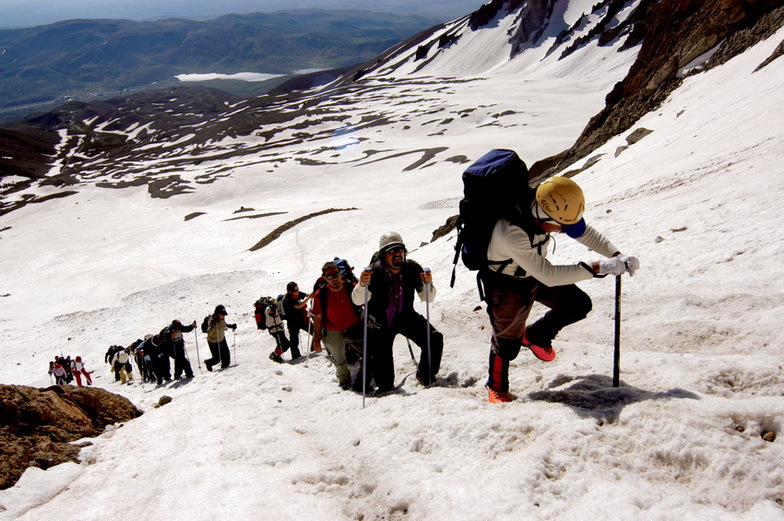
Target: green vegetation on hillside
{"type": "Point", "coordinates": [85, 59]}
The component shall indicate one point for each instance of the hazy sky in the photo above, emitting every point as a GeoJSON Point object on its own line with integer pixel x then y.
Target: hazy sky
{"type": "Point", "coordinates": [25, 13]}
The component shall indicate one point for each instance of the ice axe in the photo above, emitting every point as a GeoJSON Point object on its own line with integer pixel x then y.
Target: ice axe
{"type": "Point", "coordinates": [429, 353]}
{"type": "Point", "coordinates": [617, 354]}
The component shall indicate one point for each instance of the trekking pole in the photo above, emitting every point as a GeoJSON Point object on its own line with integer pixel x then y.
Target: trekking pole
{"type": "Point", "coordinates": [198, 358]}
{"type": "Point", "coordinates": [307, 353]}
{"type": "Point", "coordinates": [364, 345]}
{"type": "Point", "coordinates": [411, 351]}
{"type": "Point", "coordinates": [234, 344]}
{"type": "Point", "coordinates": [140, 365]}
{"type": "Point", "coordinates": [427, 314]}
{"type": "Point", "coordinates": [311, 338]}
{"type": "Point", "coordinates": [617, 354]}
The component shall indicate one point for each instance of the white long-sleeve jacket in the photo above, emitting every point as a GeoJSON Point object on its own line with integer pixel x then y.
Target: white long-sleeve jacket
{"type": "Point", "coordinates": [512, 242]}
{"type": "Point", "coordinates": [274, 322]}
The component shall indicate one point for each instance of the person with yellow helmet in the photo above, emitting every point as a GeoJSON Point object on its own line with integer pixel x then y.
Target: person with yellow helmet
{"type": "Point", "coordinates": [526, 276]}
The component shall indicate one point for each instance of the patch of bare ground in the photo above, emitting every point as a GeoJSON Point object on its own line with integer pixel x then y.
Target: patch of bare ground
{"type": "Point", "coordinates": [254, 216]}
{"type": "Point", "coordinates": [277, 232]}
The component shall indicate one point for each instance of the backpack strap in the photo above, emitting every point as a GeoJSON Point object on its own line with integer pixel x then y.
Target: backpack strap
{"type": "Point", "coordinates": [458, 247]}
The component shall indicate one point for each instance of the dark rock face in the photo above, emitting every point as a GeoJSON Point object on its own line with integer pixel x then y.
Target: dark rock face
{"type": "Point", "coordinates": [37, 426]}
{"type": "Point", "coordinates": [533, 20]}
{"type": "Point", "coordinates": [676, 32]}
{"type": "Point", "coordinates": [482, 16]}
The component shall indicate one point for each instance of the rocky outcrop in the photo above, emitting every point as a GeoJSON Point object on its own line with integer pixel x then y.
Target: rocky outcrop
{"type": "Point", "coordinates": [488, 11]}
{"type": "Point", "coordinates": [38, 426]}
{"type": "Point", "coordinates": [533, 20]}
{"type": "Point", "coordinates": [676, 33]}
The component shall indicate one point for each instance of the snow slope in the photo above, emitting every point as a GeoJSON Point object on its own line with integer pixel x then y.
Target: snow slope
{"type": "Point", "coordinates": [702, 360]}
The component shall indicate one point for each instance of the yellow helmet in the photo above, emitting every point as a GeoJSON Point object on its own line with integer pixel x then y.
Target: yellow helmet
{"type": "Point", "coordinates": [561, 199]}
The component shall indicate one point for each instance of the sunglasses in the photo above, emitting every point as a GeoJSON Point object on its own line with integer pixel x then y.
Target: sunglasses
{"type": "Point", "coordinates": [396, 249]}
{"type": "Point", "coordinates": [332, 276]}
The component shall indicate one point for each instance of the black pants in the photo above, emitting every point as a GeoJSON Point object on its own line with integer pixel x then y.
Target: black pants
{"type": "Point", "coordinates": [148, 371]}
{"type": "Point", "coordinates": [294, 329]}
{"type": "Point", "coordinates": [283, 344]}
{"type": "Point", "coordinates": [220, 354]}
{"type": "Point", "coordinates": [381, 341]}
{"type": "Point", "coordinates": [162, 367]}
{"type": "Point", "coordinates": [181, 363]}
{"type": "Point", "coordinates": [509, 303]}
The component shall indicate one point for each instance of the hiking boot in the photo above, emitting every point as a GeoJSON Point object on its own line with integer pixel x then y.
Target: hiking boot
{"type": "Point", "coordinates": [423, 380]}
{"type": "Point", "coordinates": [208, 366]}
{"type": "Point", "coordinates": [357, 387]}
{"type": "Point", "coordinates": [546, 354]}
{"type": "Point", "coordinates": [276, 358]}
{"type": "Point", "coordinates": [494, 396]}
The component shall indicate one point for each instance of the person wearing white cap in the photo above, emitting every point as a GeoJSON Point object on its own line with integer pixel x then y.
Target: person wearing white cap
{"type": "Point", "coordinates": [391, 285]}
{"type": "Point", "coordinates": [527, 276]}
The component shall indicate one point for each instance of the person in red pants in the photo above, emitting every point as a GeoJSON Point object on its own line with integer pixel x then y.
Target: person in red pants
{"type": "Point", "coordinates": [79, 370]}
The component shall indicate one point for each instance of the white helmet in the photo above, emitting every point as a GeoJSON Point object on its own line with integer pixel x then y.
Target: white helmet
{"type": "Point", "coordinates": [390, 240]}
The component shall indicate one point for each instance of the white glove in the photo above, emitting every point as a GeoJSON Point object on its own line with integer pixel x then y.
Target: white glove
{"type": "Point", "coordinates": [632, 263]}
{"type": "Point", "coordinates": [613, 266]}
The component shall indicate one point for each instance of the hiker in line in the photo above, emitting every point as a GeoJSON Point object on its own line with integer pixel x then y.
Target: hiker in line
{"type": "Point", "coordinates": [181, 362]}
{"type": "Point", "coordinates": [216, 339]}
{"type": "Point", "coordinates": [67, 364]}
{"type": "Point", "coordinates": [64, 363]}
{"type": "Point", "coordinates": [122, 365]}
{"type": "Point", "coordinates": [296, 314]}
{"type": "Point", "coordinates": [274, 322]}
{"type": "Point", "coordinates": [143, 359]}
{"type": "Point", "coordinates": [79, 370]}
{"type": "Point", "coordinates": [556, 206]}
{"type": "Point", "coordinates": [109, 356]}
{"type": "Point", "coordinates": [336, 320]}
{"type": "Point", "coordinates": [160, 352]}
{"type": "Point", "coordinates": [58, 371]}
{"type": "Point", "coordinates": [391, 286]}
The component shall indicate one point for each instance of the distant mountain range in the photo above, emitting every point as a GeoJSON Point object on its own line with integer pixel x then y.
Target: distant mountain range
{"type": "Point", "coordinates": [176, 138]}
{"type": "Point", "coordinates": [89, 59]}
{"type": "Point", "coordinates": [29, 13]}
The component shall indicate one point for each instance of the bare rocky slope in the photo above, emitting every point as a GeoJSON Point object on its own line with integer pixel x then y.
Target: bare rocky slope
{"type": "Point", "coordinates": [674, 34]}
{"type": "Point", "coordinates": [678, 37]}
{"type": "Point", "coordinates": [39, 427]}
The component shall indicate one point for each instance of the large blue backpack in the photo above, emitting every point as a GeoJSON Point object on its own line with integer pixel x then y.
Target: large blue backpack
{"type": "Point", "coordinates": [493, 188]}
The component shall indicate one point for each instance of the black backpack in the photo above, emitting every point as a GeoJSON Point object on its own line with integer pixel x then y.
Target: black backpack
{"type": "Point", "coordinates": [259, 308]}
{"type": "Point", "coordinates": [279, 307]}
{"type": "Point", "coordinates": [493, 186]}
{"type": "Point", "coordinates": [346, 270]}
{"type": "Point", "coordinates": [205, 324]}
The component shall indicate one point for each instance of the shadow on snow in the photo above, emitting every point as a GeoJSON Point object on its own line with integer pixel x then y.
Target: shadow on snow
{"type": "Point", "coordinates": [594, 396]}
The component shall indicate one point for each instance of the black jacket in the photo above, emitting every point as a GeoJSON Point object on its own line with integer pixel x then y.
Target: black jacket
{"type": "Point", "coordinates": [381, 288]}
